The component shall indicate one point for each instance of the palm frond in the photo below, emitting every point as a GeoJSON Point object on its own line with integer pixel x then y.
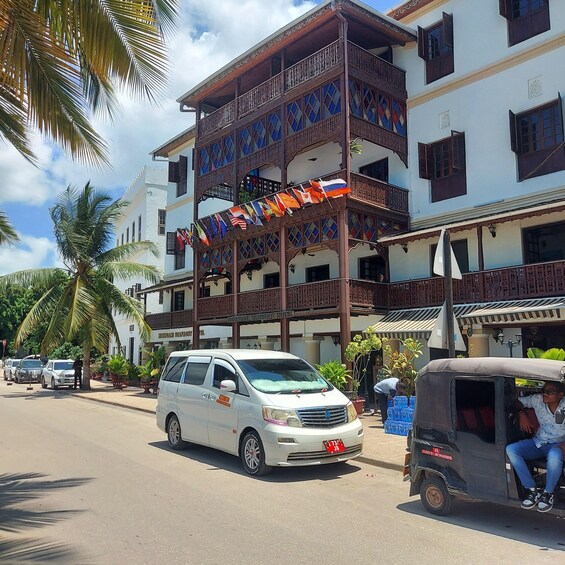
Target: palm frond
{"type": "Point", "coordinates": [30, 277]}
{"type": "Point", "coordinates": [7, 232]}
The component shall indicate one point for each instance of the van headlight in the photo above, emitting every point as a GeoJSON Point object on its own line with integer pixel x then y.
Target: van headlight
{"type": "Point", "coordinates": [281, 416]}
{"type": "Point", "coordinates": [351, 412]}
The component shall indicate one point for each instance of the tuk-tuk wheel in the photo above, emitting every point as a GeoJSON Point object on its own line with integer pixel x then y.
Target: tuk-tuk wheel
{"type": "Point", "coordinates": [435, 497]}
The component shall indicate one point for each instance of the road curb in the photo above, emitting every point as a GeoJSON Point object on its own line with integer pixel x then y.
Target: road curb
{"type": "Point", "coordinates": [111, 403]}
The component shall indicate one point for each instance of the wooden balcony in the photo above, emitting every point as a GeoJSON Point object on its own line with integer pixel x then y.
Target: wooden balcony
{"type": "Point", "coordinates": [326, 61]}
{"type": "Point", "coordinates": [511, 283]}
{"type": "Point", "coordinates": [168, 320]}
{"type": "Point", "coordinates": [379, 193]}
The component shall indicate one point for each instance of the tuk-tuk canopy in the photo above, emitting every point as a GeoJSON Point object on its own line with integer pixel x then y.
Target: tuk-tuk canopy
{"type": "Point", "coordinates": [433, 390]}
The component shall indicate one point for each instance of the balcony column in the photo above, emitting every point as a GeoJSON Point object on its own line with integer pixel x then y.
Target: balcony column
{"type": "Point", "coordinates": [283, 276]}
{"type": "Point", "coordinates": [344, 297]}
{"type": "Point", "coordinates": [312, 345]}
{"type": "Point", "coordinates": [235, 327]}
{"type": "Point", "coordinates": [479, 343]}
{"type": "Point", "coordinates": [170, 346]}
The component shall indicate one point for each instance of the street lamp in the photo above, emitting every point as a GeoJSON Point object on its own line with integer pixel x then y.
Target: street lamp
{"type": "Point", "coordinates": [510, 343]}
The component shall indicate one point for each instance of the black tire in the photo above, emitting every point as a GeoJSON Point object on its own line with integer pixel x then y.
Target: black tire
{"type": "Point", "coordinates": [53, 385]}
{"type": "Point", "coordinates": [43, 383]}
{"type": "Point", "coordinates": [252, 455]}
{"type": "Point", "coordinates": [17, 379]}
{"type": "Point", "coordinates": [435, 497]}
{"type": "Point", "coordinates": [174, 435]}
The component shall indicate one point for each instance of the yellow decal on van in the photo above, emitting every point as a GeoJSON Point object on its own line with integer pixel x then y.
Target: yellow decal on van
{"type": "Point", "coordinates": [224, 400]}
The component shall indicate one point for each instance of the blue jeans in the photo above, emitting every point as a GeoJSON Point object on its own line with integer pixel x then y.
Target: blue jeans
{"type": "Point", "coordinates": [524, 450]}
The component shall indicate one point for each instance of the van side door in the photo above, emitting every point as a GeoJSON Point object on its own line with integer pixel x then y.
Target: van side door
{"type": "Point", "coordinates": [223, 407]}
{"type": "Point", "coordinates": [192, 400]}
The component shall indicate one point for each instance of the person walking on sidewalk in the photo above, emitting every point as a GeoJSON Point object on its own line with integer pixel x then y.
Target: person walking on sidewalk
{"type": "Point", "coordinates": [385, 389]}
{"type": "Point", "coordinates": [546, 444]}
{"type": "Point", "coordinates": [77, 366]}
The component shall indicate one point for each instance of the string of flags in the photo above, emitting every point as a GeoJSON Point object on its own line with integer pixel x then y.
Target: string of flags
{"type": "Point", "coordinates": [261, 210]}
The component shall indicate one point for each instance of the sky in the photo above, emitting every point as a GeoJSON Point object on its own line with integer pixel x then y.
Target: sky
{"type": "Point", "coordinates": [206, 39]}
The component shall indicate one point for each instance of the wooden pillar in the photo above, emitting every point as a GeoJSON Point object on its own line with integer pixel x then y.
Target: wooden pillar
{"type": "Point", "coordinates": [283, 279]}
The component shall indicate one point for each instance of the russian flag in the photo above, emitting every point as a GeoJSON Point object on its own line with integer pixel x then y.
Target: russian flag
{"type": "Point", "coordinates": [332, 188]}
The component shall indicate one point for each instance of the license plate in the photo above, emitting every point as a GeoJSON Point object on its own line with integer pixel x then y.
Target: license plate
{"type": "Point", "coordinates": [334, 446]}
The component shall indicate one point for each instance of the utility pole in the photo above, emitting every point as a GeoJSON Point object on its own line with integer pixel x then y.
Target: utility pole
{"type": "Point", "coordinates": [448, 279]}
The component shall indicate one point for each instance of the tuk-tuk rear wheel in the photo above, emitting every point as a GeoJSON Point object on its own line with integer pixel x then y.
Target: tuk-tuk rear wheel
{"type": "Point", "coordinates": [435, 497]}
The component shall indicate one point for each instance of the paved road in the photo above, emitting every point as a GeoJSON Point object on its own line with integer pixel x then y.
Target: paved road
{"type": "Point", "coordinates": [84, 482]}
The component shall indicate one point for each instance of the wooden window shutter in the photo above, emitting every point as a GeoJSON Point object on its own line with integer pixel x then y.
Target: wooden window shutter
{"type": "Point", "coordinates": [193, 157]}
{"type": "Point", "coordinates": [424, 156]}
{"type": "Point", "coordinates": [560, 106]}
{"type": "Point", "coordinates": [171, 243]}
{"type": "Point", "coordinates": [173, 171]}
{"type": "Point", "coordinates": [514, 143]}
{"type": "Point", "coordinates": [422, 44]}
{"type": "Point", "coordinates": [504, 9]}
{"type": "Point", "coordinates": [183, 166]}
{"type": "Point", "coordinates": [447, 29]}
{"type": "Point", "coordinates": [458, 150]}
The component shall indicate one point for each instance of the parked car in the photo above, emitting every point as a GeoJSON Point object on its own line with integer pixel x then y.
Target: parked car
{"type": "Point", "coordinates": [269, 408]}
{"type": "Point", "coordinates": [13, 367]}
{"type": "Point", "coordinates": [7, 369]}
{"type": "Point", "coordinates": [58, 372]}
{"type": "Point", "coordinates": [29, 371]}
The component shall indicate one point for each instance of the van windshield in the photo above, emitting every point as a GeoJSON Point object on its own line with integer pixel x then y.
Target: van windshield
{"type": "Point", "coordinates": [63, 365]}
{"type": "Point", "coordinates": [31, 364]}
{"type": "Point", "coordinates": [283, 376]}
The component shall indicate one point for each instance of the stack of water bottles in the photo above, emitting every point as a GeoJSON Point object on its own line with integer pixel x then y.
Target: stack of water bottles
{"type": "Point", "coordinates": [400, 414]}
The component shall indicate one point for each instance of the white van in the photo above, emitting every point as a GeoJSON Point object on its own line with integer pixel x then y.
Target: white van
{"type": "Point", "coordinates": [268, 407]}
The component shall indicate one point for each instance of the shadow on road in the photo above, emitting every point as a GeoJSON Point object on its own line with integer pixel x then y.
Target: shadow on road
{"type": "Point", "coordinates": [531, 527]}
{"type": "Point", "coordinates": [219, 460]}
{"type": "Point", "coordinates": [22, 488]}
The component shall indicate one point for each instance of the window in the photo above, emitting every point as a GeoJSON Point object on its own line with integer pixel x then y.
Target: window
{"type": "Point", "coordinates": [443, 162]}
{"type": "Point", "coordinates": [196, 370]}
{"type": "Point", "coordinates": [271, 280]}
{"type": "Point", "coordinates": [178, 301]}
{"type": "Point", "coordinates": [139, 228]}
{"type": "Point", "coordinates": [227, 288]}
{"type": "Point", "coordinates": [131, 349]}
{"type": "Point", "coordinates": [461, 252]}
{"type": "Point", "coordinates": [178, 174]}
{"type": "Point", "coordinates": [377, 170]}
{"type": "Point", "coordinates": [161, 221]}
{"type": "Point", "coordinates": [173, 370]}
{"type": "Point", "coordinates": [544, 243]}
{"type": "Point", "coordinates": [204, 292]}
{"type": "Point", "coordinates": [435, 46]}
{"type": "Point", "coordinates": [161, 293]}
{"type": "Point", "coordinates": [179, 257]}
{"type": "Point", "coordinates": [474, 405]}
{"type": "Point", "coordinates": [526, 18]}
{"type": "Point", "coordinates": [372, 269]}
{"type": "Point", "coordinates": [536, 137]}
{"type": "Point", "coordinates": [222, 372]}
{"type": "Point", "coordinates": [133, 232]}
{"type": "Point", "coordinates": [319, 273]}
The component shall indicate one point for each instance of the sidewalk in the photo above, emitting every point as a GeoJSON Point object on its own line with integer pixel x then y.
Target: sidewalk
{"type": "Point", "coordinates": [380, 449]}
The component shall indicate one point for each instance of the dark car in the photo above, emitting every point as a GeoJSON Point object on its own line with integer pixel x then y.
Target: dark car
{"type": "Point", "coordinates": [463, 421]}
{"type": "Point", "coordinates": [29, 371]}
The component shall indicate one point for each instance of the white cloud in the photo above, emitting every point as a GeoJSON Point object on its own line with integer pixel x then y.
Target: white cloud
{"type": "Point", "coordinates": [29, 253]}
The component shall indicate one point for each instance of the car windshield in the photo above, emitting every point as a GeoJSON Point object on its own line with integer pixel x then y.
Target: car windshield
{"type": "Point", "coordinates": [62, 365]}
{"type": "Point", "coordinates": [31, 364]}
{"type": "Point", "coordinates": [16, 363]}
{"type": "Point", "coordinates": [283, 376]}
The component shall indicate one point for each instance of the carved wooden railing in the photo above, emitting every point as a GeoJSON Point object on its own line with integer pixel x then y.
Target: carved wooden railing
{"type": "Point", "coordinates": [267, 300]}
{"type": "Point", "coordinates": [255, 98]}
{"type": "Point", "coordinates": [215, 307]}
{"type": "Point", "coordinates": [218, 119]}
{"type": "Point", "coordinates": [379, 193]}
{"type": "Point", "coordinates": [167, 320]}
{"type": "Point", "coordinates": [307, 296]}
{"type": "Point", "coordinates": [327, 58]}
{"type": "Point", "coordinates": [376, 68]}
{"type": "Point", "coordinates": [368, 294]}
{"type": "Point", "coordinates": [510, 283]}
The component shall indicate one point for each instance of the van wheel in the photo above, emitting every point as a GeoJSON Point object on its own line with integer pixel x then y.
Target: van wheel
{"type": "Point", "coordinates": [43, 383]}
{"type": "Point", "coordinates": [435, 497]}
{"type": "Point", "coordinates": [53, 385]}
{"type": "Point", "coordinates": [174, 434]}
{"type": "Point", "coordinates": [253, 455]}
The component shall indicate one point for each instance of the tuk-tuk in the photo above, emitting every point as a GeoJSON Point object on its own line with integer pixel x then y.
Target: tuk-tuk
{"type": "Point", "coordinates": [463, 422]}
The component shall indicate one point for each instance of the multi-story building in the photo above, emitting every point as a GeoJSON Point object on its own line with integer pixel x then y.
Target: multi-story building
{"type": "Point", "coordinates": [455, 131]}
{"type": "Point", "coordinates": [143, 219]}
{"type": "Point", "coordinates": [487, 162]}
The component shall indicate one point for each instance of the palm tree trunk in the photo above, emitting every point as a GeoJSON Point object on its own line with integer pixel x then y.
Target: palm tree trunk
{"type": "Point", "coordinates": [85, 368]}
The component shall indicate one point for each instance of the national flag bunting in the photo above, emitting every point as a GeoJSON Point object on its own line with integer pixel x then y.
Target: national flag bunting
{"type": "Point", "coordinates": [202, 234]}
{"type": "Point", "coordinates": [331, 188]}
{"type": "Point", "coordinates": [237, 222]}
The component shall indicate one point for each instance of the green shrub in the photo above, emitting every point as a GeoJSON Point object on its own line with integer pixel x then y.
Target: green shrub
{"type": "Point", "coordinates": [335, 372]}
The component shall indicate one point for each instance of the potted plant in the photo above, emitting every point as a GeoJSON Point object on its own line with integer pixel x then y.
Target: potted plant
{"type": "Point", "coordinates": [148, 376]}
{"type": "Point", "coordinates": [358, 353]}
{"type": "Point", "coordinates": [335, 372]}
{"type": "Point", "coordinates": [118, 367]}
{"type": "Point", "coordinates": [400, 363]}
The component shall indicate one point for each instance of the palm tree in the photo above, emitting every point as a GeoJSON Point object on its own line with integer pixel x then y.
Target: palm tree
{"type": "Point", "coordinates": [62, 60]}
{"type": "Point", "coordinates": [82, 308]}
{"type": "Point", "coordinates": [7, 232]}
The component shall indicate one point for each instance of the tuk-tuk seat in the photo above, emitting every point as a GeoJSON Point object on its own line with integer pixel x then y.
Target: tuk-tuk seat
{"type": "Point", "coordinates": [477, 420]}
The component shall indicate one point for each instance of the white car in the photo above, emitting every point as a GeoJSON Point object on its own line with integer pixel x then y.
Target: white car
{"type": "Point", "coordinates": [58, 372]}
{"type": "Point", "coordinates": [269, 408]}
{"type": "Point", "coordinates": [6, 369]}
{"type": "Point", "coordinates": [13, 368]}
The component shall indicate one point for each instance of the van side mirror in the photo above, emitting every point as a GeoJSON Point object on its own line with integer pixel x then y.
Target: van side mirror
{"type": "Point", "coordinates": [228, 385]}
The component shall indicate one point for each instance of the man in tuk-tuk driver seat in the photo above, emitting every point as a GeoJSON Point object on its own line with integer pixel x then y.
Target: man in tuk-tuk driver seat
{"type": "Point", "coordinates": [545, 444]}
